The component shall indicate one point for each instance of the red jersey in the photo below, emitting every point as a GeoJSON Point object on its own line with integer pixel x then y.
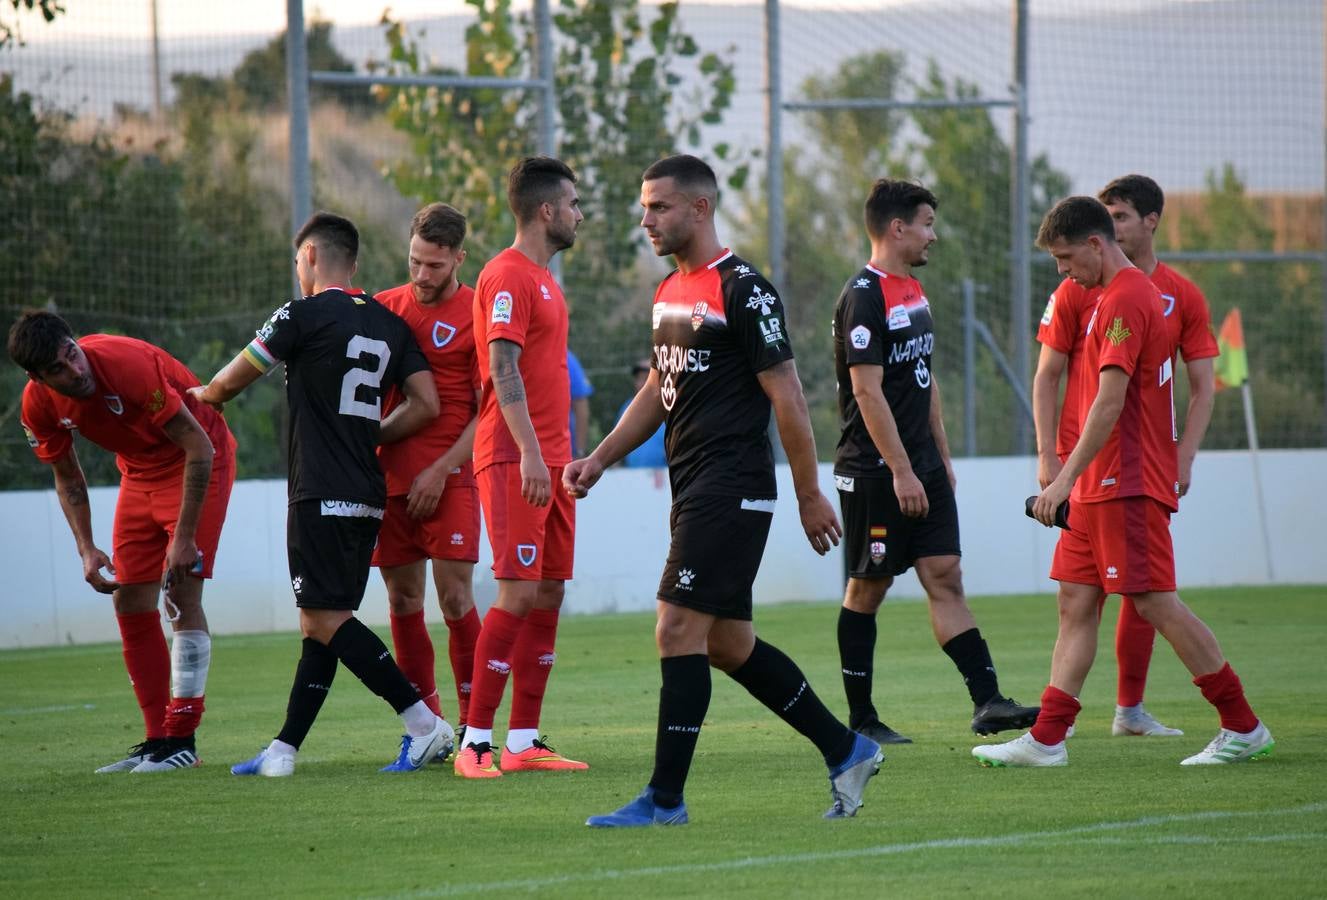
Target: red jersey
{"type": "Point", "coordinates": [140, 387]}
{"type": "Point", "coordinates": [1064, 328]}
{"type": "Point", "coordinates": [1187, 315]}
{"type": "Point", "coordinates": [519, 301]}
{"type": "Point", "coordinates": [1128, 331]}
{"type": "Point", "coordinates": [445, 332]}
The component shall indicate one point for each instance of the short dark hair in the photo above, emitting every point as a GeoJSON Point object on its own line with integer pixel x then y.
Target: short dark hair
{"type": "Point", "coordinates": [534, 181]}
{"type": "Point", "coordinates": [1074, 219]}
{"type": "Point", "coordinates": [439, 224]}
{"type": "Point", "coordinates": [1139, 191]}
{"type": "Point", "coordinates": [35, 339]}
{"type": "Point", "coordinates": [692, 174]}
{"type": "Point", "coordinates": [892, 199]}
{"type": "Point", "coordinates": [331, 232]}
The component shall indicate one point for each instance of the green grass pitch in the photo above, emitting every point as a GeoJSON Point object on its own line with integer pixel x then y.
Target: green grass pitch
{"type": "Point", "coordinates": [1122, 820]}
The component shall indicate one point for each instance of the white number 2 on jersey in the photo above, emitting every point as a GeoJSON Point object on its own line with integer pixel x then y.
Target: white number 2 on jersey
{"type": "Point", "coordinates": [372, 379]}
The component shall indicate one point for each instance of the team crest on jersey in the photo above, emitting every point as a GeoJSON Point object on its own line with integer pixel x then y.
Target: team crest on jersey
{"type": "Point", "coordinates": [1050, 311]}
{"type": "Point", "coordinates": [898, 318]}
{"type": "Point", "coordinates": [115, 404]}
{"type": "Point", "coordinates": [501, 308]}
{"type": "Point", "coordinates": [698, 313]}
{"type": "Point", "coordinates": [443, 334]}
{"type": "Point", "coordinates": [877, 552]}
{"type": "Point", "coordinates": [525, 554]}
{"type": "Point", "coordinates": [844, 483]}
{"type": "Point", "coordinates": [1170, 303]}
{"type": "Point", "coordinates": [156, 402]}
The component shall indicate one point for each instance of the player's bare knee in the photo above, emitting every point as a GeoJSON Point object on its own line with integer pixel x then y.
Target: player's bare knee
{"type": "Point", "coordinates": [404, 603]}
{"type": "Point", "coordinates": [865, 595]}
{"type": "Point", "coordinates": [550, 594]}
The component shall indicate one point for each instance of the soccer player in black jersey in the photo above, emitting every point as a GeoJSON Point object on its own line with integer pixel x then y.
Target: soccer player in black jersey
{"type": "Point", "coordinates": [892, 468]}
{"type": "Point", "coordinates": [721, 360]}
{"type": "Point", "coordinates": [342, 350]}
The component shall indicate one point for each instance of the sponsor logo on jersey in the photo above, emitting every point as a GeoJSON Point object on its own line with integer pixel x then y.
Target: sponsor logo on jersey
{"type": "Point", "coordinates": [501, 308]}
{"type": "Point", "coordinates": [684, 579]}
{"type": "Point", "coordinates": [497, 665]}
{"type": "Point", "coordinates": [457, 539]}
{"type": "Point", "coordinates": [443, 334]}
{"type": "Point", "coordinates": [67, 423]}
{"type": "Point", "coordinates": [525, 554]}
{"type": "Point", "coordinates": [350, 510]}
{"type": "Point", "coordinates": [297, 584]}
{"type": "Point", "coordinates": [772, 330]}
{"type": "Point", "coordinates": [877, 552]}
{"type": "Point", "coordinates": [1107, 482]}
{"type": "Point", "coordinates": [912, 348]}
{"type": "Point", "coordinates": [32, 438]}
{"type": "Point", "coordinates": [743, 271]}
{"type": "Point", "coordinates": [1112, 572]}
{"type": "Point", "coordinates": [1117, 334]}
{"type": "Point", "coordinates": [698, 315]}
{"type": "Point", "coordinates": [1170, 303]}
{"type": "Point", "coordinates": [862, 282]}
{"type": "Point", "coordinates": [668, 392]}
{"type": "Point", "coordinates": [543, 289]}
{"type": "Point", "coordinates": [672, 358]}
{"type": "Point", "coordinates": [156, 402]}
{"type": "Point", "coordinates": [547, 659]}
{"type": "Point", "coordinates": [761, 300]}
{"type": "Point", "coordinates": [899, 318]}
{"type": "Point", "coordinates": [115, 404]}
{"type": "Point", "coordinates": [658, 314]}
{"type": "Point", "coordinates": [1050, 311]}
{"type": "Point", "coordinates": [845, 484]}
{"type": "Point", "coordinates": [922, 374]}
{"type": "Point", "coordinates": [860, 337]}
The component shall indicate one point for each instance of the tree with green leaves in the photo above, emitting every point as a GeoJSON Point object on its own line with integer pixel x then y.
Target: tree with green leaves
{"type": "Point", "coordinates": [11, 32]}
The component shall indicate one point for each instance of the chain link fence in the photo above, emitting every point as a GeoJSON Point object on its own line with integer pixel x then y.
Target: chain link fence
{"type": "Point", "coordinates": [146, 185]}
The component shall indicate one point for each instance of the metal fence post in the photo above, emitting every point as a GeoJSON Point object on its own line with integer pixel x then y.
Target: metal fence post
{"type": "Point", "coordinates": [774, 144]}
{"type": "Point", "coordinates": [969, 368]}
{"type": "Point", "coordinates": [297, 92]}
{"type": "Point", "coordinates": [1020, 281]}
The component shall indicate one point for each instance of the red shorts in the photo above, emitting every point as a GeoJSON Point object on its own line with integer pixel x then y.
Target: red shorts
{"type": "Point", "coordinates": [529, 543]}
{"type": "Point", "coordinates": [452, 532]}
{"type": "Point", "coordinates": [145, 517]}
{"type": "Point", "coordinates": [1121, 545]}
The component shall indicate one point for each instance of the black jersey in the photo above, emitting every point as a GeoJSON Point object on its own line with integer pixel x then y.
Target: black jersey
{"type": "Point", "coordinates": [884, 320]}
{"type": "Point", "coordinates": [342, 351]}
{"type": "Point", "coordinates": [714, 329]}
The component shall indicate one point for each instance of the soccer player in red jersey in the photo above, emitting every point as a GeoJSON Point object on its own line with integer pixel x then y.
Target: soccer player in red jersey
{"type": "Point", "coordinates": [521, 444]}
{"type": "Point", "coordinates": [1135, 203]}
{"type": "Point", "coordinates": [722, 362]}
{"type": "Point", "coordinates": [432, 502]}
{"type": "Point", "coordinates": [1123, 474]}
{"type": "Point", "coordinates": [177, 464]}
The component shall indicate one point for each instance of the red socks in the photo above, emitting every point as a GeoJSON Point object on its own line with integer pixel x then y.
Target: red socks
{"type": "Point", "coordinates": [463, 633]}
{"type": "Point", "coordinates": [1134, 637]}
{"type": "Point", "coordinates": [147, 658]}
{"type": "Point", "coordinates": [493, 661]}
{"type": "Point", "coordinates": [532, 663]}
{"type": "Point", "coordinates": [1223, 690]}
{"type": "Point", "coordinates": [1058, 711]}
{"type": "Point", "coordinates": [414, 656]}
{"type": "Point", "coordinates": [183, 715]}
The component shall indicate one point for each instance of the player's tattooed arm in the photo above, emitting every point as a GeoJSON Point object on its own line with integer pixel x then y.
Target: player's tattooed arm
{"type": "Point", "coordinates": [72, 489]}
{"type": "Point", "coordinates": [185, 432]}
{"type": "Point", "coordinates": [504, 361]}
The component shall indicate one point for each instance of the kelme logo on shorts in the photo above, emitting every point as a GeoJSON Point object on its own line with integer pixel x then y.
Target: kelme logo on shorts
{"type": "Point", "coordinates": [525, 554]}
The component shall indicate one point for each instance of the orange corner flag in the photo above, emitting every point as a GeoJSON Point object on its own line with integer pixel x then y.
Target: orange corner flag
{"type": "Point", "coordinates": [1232, 365]}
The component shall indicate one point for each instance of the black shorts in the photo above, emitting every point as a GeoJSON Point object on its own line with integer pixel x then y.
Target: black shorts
{"type": "Point", "coordinates": [715, 554]}
{"type": "Point", "coordinates": [879, 541]}
{"type": "Point", "coordinates": [330, 544]}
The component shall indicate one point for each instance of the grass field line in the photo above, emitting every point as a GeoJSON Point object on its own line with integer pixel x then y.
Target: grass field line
{"type": "Point", "coordinates": [38, 710]}
{"type": "Point", "coordinates": [956, 843]}
{"type": "Point", "coordinates": [1311, 836]}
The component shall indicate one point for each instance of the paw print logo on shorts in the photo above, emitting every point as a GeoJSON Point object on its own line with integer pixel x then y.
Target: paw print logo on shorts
{"type": "Point", "coordinates": [297, 583]}
{"type": "Point", "coordinates": [684, 579]}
